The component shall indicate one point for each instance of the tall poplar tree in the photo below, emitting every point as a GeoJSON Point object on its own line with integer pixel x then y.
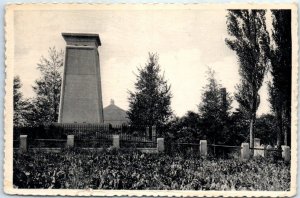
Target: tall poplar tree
{"type": "Point", "coordinates": [250, 40]}
{"type": "Point", "coordinates": [150, 103]}
{"type": "Point", "coordinates": [281, 70]}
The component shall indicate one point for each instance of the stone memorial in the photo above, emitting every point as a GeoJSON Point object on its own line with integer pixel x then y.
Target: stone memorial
{"type": "Point", "coordinates": [81, 95]}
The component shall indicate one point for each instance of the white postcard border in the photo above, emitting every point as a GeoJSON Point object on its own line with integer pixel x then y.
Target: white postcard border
{"type": "Point", "coordinates": [8, 107]}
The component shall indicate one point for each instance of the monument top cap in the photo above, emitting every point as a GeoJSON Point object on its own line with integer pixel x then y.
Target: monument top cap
{"type": "Point", "coordinates": [82, 39]}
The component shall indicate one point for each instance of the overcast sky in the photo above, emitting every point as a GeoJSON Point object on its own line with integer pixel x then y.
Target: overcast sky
{"type": "Point", "coordinates": [187, 41]}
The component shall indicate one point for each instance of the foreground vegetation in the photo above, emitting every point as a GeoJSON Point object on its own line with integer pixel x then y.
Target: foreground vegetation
{"type": "Point", "coordinates": [79, 169]}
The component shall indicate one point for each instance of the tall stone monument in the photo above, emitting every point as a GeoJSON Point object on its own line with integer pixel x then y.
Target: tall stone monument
{"type": "Point", "coordinates": [81, 96]}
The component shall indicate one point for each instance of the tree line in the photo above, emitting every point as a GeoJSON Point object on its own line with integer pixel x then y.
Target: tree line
{"type": "Point", "coordinates": [258, 52]}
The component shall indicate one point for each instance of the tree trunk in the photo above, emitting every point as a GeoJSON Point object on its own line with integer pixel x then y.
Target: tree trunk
{"type": "Point", "coordinates": [286, 124]}
{"type": "Point", "coordinates": [285, 134]}
{"type": "Point", "coordinates": [280, 130]}
{"type": "Point", "coordinates": [251, 130]}
{"type": "Point", "coordinates": [278, 143]}
{"type": "Point", "coordinates": [214, 146]}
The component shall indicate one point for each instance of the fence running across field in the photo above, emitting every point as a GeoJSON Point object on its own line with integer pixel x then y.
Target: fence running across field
{"type": "Point", "coordinates": [87, 135]}
{"type": "Point", "coordinates": [226, 151]}
{"type": "Point", "coordinates": [212, 149]}
{"type": "Point", "coordinates": [92, 136]}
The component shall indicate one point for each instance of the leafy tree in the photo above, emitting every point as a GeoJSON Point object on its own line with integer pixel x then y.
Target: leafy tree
{"type": "Point", "coordinates": [185, 129]}
{"type": "Point", "coordinates": [214, 111]}
{"type": "Point", "coordinates": [47, 88]}
{"type": "Point", "coordinates": [191, 120]}
{"type": "Point", "coordinates": [250, 40]}
{"type": "Point", "coordinates": [150, 103]}
{"type": "Point", "coordinates": [281, 68]}
{"type": "Point", "coordinates": [266, 129]}
{"type": "Point", "coordinates": [238, 125]}
{"type": "Point", "coordinates": [20, 104]}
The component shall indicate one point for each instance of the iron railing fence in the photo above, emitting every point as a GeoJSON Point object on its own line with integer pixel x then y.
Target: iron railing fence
{"type": "Point", "coordinates": [133, 130]}
{"type": "Point", "coordinates": [136, 136]}
{"type": "Point", "coordinates": [83, 130]}
{"type": "Point", "coordinates": [61, 130]}
{"type": "Point", "coordinates": [142, 143]}
{"type": "Point", "coordinates": [92, 143]}
{"type": "Point", "coordinates": [86, 135]}
{"type": "Point", "coordinates": [37, 132]}
{"type": "Point", "coordinates": [47, 143]}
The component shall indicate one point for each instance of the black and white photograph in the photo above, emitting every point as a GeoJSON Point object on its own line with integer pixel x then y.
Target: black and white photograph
{"type": "Point", "coordinates": [151, 99]}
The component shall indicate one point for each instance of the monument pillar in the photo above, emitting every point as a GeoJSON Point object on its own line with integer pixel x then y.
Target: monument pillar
{"type": "Point", "coordinates": [81, 95]}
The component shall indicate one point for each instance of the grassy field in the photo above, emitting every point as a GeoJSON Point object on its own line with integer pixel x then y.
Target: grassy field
{"type": "Point", "coordinates": [81, 169]}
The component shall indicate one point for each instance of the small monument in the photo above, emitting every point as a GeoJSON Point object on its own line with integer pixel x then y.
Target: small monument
{"type": "Point", "coordinates": [81, 95]}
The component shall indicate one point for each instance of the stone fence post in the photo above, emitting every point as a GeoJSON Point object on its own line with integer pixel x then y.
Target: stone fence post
{"type": "Point", "coordinates": [160, 145]}
{"type": "Point", "coordinates": [116, 141]}
{"type": "Point", "coordinates": [70, 141]}
{"type": "Point", "coordinates": [245, 151]}
{"type": "Point", "coordinates": [203, 147]}
{"type": "Point", "coordinates": [23, 143]}
{"type": "Point", "coordinates": [286, 153]}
